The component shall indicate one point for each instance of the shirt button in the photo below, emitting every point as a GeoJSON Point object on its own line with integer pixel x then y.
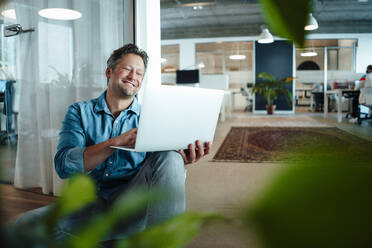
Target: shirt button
{"type": "Point", "coordinates": [116, 122]}
{"type": "Point", "coordinates": [107, 174]}
{"type": "Point", "coordinates": [110, 162]}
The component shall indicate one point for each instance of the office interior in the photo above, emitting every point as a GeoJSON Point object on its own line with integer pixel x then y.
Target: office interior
{"type": "Point", "coordinates": [63, 61]}
{"type": "Point", "coordinates": [211, 57]}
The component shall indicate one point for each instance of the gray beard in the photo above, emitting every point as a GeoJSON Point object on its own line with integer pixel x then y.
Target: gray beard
{"type": "Point", "coordinates": [126, 94]}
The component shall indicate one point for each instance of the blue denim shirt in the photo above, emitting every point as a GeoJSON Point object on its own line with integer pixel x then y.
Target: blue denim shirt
{"type": "Point", "coordinates": [90, 123]}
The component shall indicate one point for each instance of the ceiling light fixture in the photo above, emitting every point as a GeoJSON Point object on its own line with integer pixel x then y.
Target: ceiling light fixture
{"type": "Point", "coordinates": [312, 23]}
{"type": "Point", "coordinates": [201, 65]}
{"type": "Point", "coordinates": [265, 36]}
{"type": "Point", "coordinates": [199, 7]}
{"type": "Point", "coordinates": [9, 13]}
{"type": "Point", "coordinates": [204, 3]}
{"type": "Point", "coordinates": [237, 57]}
{"type": "Point", "coordinates": [60, 14]}
{"type": "Point", "coordinates": [170, 69]}
{"type": "Point", "coordinates": [308, 53]}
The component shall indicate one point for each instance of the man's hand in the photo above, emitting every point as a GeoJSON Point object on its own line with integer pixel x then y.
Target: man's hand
{"type": "Point", "coordinates": [194, 153]}
{"type": "Point", "coordinates": [94, 155]}
{"type": "Point", "coordinates": [127, 139]}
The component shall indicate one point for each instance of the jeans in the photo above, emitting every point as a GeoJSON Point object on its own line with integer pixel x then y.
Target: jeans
{"type": "Point", "coordinates": [163, 170]}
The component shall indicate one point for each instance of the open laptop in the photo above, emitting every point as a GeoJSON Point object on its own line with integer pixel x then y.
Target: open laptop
{"type": "Point", "coordinates": [173, 117]}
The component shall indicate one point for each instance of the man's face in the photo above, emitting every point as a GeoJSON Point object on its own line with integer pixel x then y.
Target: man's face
{"type": "Point", "coordinates": [126, 78]}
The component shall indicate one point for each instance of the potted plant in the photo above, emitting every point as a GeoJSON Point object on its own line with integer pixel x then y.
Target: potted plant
{"type": "Point", "coordinates": [270, 88]}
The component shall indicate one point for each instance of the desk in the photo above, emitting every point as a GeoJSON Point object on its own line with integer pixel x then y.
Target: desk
{"type": "Point", "coordinates": [303, 97]}
{"type": "Point", "coordinates": [233, 94]}
{"type": "Point", "coordinates": [339, 93]}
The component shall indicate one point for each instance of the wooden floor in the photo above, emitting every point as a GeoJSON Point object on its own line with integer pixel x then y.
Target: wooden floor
{"type": "Point", "coordinates": [15, 201]}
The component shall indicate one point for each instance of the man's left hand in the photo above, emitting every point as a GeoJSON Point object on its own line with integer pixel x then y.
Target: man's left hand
{"type": "Point", "coordinates": [194, 153]}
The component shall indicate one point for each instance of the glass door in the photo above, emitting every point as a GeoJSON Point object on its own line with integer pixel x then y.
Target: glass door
{"type": "Point", "coordinates": [324, 65]}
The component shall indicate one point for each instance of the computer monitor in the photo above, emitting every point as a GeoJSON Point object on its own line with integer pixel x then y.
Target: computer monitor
{"type": "Point", "coordinates": [187, 76]}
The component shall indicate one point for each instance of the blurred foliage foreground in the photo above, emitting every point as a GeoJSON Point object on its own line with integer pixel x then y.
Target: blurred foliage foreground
{"type": "Point", "coordinates": [78, 193]}
{"type": "Point", "coordinates": [321, 198]}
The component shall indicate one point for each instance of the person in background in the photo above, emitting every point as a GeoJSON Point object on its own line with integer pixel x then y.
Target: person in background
{"type": "Point", "coordinates": [364, 81]}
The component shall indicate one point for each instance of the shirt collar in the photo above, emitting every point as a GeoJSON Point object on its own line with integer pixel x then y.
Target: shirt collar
{"type": "Point", "coordinates": [135, 107]}
{"type": "Point", "coordinates": [101, 105]}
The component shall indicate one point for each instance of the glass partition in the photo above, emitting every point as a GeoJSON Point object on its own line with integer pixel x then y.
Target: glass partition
{"type": "Point", "coordinates": [310, 66]}
{"type": "Point", "coordinates": [170, 58]}
{"type": "Point", "coordinates": [232, 58]}
{"type": "Point", "coordinates": [170, 63]}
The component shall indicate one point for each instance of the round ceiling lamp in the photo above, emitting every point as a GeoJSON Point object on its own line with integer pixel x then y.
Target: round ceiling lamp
{"type": "Point", "coordinates": [170, 69]}
{"type": "Point", "coordinates": [199, 7]}
{"type": "Point", "coordinates": [312, 23]}
{"type": "Point", "coordinates": [9, 13]}
{"type": "Point", "coordinates": [201, 65]}
{"type": "Point", "coordinates": [60, 14]}
{"type": "Point", "coordinates": [237, 57]}
{"type": "Point", "coordinates": [308, 53]}
{"type": "Point", "coordinates": [265, 36]}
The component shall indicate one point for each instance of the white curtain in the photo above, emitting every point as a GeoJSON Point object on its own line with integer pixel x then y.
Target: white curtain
{"type": "Point", "coordinates": [60, 63]}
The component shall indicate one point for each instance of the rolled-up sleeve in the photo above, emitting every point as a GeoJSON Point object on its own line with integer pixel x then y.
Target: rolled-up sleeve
{"type": "Point", "coordinates": [69, 158]}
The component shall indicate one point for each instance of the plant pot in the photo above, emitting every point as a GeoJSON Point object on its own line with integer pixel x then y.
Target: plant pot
{"type": "Point", "coordinates": [270, 109]}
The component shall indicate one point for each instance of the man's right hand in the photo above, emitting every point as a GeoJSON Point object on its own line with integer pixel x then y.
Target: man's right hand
{"type": "Point", "coordinates": [127, 139]}
{"type": "Point", "coordinates": [94, 155]}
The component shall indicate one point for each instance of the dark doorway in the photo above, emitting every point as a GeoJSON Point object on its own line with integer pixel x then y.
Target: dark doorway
{"type": "Point", "coordinates": [276, 59]}
{"type": "Point", "coordinates": [308, 65]}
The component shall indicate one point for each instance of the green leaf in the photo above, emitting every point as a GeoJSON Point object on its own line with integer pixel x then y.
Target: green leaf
{"type": "Point", "coordinates": [323, 199]}
{"type": "Point", "coordinates": [79, 192]}
{"type": "Point", "coordinates": [172, 233]}
{"type": "Point", "coordinates": [271, 88]}
{"type": "Point", "coordinates": [265, 75]}
{"type": "Point", "coordinates": [287, 18]}
{"type": "Point", "coordinates": [102, 225]}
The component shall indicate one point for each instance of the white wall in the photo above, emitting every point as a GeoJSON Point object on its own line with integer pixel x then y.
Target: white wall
{"type": "Point", "coordinates": [187, 55]}
{"type": "Point", "coordinates": [214, 81]}
{"type": "Point", "coordinates": [318, 76]}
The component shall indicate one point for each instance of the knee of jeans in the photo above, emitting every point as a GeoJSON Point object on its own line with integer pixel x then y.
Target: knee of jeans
{"type": "Point", "coordinates": [172, 163]}
{"type": "Point", "coordinates": [31, 216]}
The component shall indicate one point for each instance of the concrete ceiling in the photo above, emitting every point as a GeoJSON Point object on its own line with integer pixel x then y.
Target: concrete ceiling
{"type": "Point", "coordinates": [226, 18]}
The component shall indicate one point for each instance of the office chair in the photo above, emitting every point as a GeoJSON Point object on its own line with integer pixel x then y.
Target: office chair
{"type": "Point", "coordinates": [247, 93]}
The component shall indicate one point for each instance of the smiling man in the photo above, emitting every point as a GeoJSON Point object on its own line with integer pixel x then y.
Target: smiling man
{"type": "Point", "coordinates": [90, 128]}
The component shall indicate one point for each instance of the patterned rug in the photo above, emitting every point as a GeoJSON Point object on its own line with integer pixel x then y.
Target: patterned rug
{"type": "Point", "coordinates": [269, 144]}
